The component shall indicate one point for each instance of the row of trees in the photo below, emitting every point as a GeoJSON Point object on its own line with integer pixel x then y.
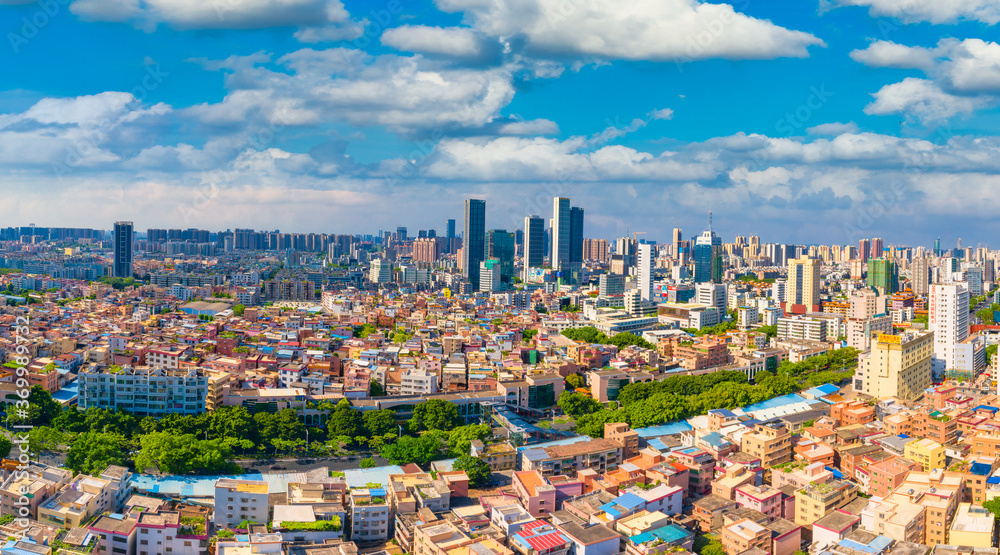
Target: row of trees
{"type": "Point", "coordinates": [650, 406]}
{"type": "Point", "coordinates": [590, 334]}
{"type": "Point", "coordinates": [208, 442]}
{"type": "Point", "coordinates": [651, 403]}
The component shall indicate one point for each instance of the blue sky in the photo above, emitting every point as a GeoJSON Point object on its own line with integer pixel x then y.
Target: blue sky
{"type": "Point", "coordinates": [799, 121]}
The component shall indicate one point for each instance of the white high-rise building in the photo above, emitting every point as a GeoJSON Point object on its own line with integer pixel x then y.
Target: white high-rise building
{"type": "Point", "coordinates": [948, 309]}
{"type": "Point", "coordinates": [778, 289]}
{"type": "Point", "coordinates": [711, 294]}
{"type": "Point", "coordinates": [644, 271]}
{"type": "Point", "coordinates": [380, 271]}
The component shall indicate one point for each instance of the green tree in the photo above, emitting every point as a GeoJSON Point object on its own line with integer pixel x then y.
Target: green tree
{"type": "Point", "coordinates": [6, 446]}
{"type": "Point", "coordinates": [183, 454]}
{"type": "Point", "coordinates": [345, 421]}
{"type": "Point", "coordinates": [92, 452]}
{"type": "Point", "coordinates": [375, 389]}
{"type": "Point", "coordinates": [367, 462]}
{"type": "Point", "coordinates": [231, 422]}
{"type": "Point", "coordinates": [993, 506]}
{"type": "Point", "coordinates": [769, 331]}
{"type": "Point", "coordinates": [238, 309]}
{"type": "Point", "coordinates": [419, 450]}
{"type": "Point", "coordinates": [576, 404]}
{"type": "Point", "coordinates": [626, 339]}
{"type": "Point", "coordinates": [435, 414]}
{"type": "Point", "coordinates": [475, 468]}
{"type": "Point", "coordinates": [575, 381]}
{"type": "Point", "coordinates": [709, 545]}
{"type": "Point", "coordinates": [460, 439]}
{"type": "Point", "coordinates": [43, 438]}
{"type": "Point", "coordinates": [380, 422]}
{"type": "Point", "coordinates": [42, 409]}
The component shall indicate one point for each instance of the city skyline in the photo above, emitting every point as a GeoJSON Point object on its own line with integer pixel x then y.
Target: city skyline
{"type": "Point", "coordinates": [441, 231]}
{"type": "Point", "coordinates": [307, 116]}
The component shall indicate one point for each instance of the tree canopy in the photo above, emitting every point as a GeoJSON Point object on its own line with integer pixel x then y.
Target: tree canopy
{"type": "Point", "coordinates": [475, 468]}
{"type": "Point", "coordinates": [435, 414]}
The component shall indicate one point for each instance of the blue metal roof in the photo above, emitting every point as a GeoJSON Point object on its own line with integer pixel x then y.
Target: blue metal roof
{"type": "Point", "coordinates": [665, 429]}
{"type": "Point", "coordinates": [630, 501]}
{"type": "Point", "coordinates": [987, 407]}
{"type": "Point", "coordinates": [881, 542]}
{"type": "Point", "coordinates": [670, 533]}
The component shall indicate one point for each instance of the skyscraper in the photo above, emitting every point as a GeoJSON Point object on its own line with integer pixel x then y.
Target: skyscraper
{"type": "Point", "coordinates": [920, 276]}
{"type": "Point", "coordinates": [864, 249]}
{"type": "Point", "coordinates": [948, 318]}
{"type": "Point", "coordinates": [561, 224]}
{"type": "Point", "coordinates": [123, 250]}
{"type": "Point", "coordinates": [937, 247]}
{"type": "Point", "coordinates": [401, 234]}
{"type": "Point", "coordinates": [576, 235]}
{"type": "Point", "coordinates": [474, 240]}
{"type": "Point", "coordinates": [802, 287]}
{"type": "Point", "coordinates": [877, 247]}
{"type": "Point", "coordinates": [678, 250]}
{"type": "Point", "coordinates": [534, 243]}
{"type": "Point", "coordinates": [644, 271]}
{"type": "Point", "coordinates": [708, 256]}
{"type": "Point", "coordinates": [500, 246]}
{"type": "Point", "coordinates": [450, 237]}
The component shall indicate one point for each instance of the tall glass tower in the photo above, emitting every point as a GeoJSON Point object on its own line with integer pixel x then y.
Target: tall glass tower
{"type": "Point", "coordinates": [474, 240]}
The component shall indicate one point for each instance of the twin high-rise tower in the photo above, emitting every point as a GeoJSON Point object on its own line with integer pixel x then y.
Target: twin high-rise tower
{"type": "Point", "coordinates": [566, 241]}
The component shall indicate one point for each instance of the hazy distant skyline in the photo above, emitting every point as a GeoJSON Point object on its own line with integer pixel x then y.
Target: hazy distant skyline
{"type": "Point", "coordinates": [412, 232]}
{"type": "Point", "coordinates": [806, 122]}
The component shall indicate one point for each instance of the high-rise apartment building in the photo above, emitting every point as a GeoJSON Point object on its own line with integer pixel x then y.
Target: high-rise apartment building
{"type": "Point", "coordinates": [644, 271]}
{"type": "Point", "coordinates": [534, 243]}
{"type": "Point", "coordinates": [877, 248]}
{"type": "Point", "coordinates": [896, 366]}
{"type": "Point", "coordinates": [427, 249]}
{"type": "Point", "coordinates": [123, 250]}
{"type": "Point", "coordinates": [802, 287]}
{"type": "Point", "coordinates": [474, 240]}
{"type": "Point", "coordinates": [595, 250]}
{"type": "Point", "coordinates": [920, 275]}
{"type": "Point", "coordinates": [676, 240]}
{"type": "Point", "coordinates": [948, 308]}
{"type": "Point", "coordinates": [864, 249]}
